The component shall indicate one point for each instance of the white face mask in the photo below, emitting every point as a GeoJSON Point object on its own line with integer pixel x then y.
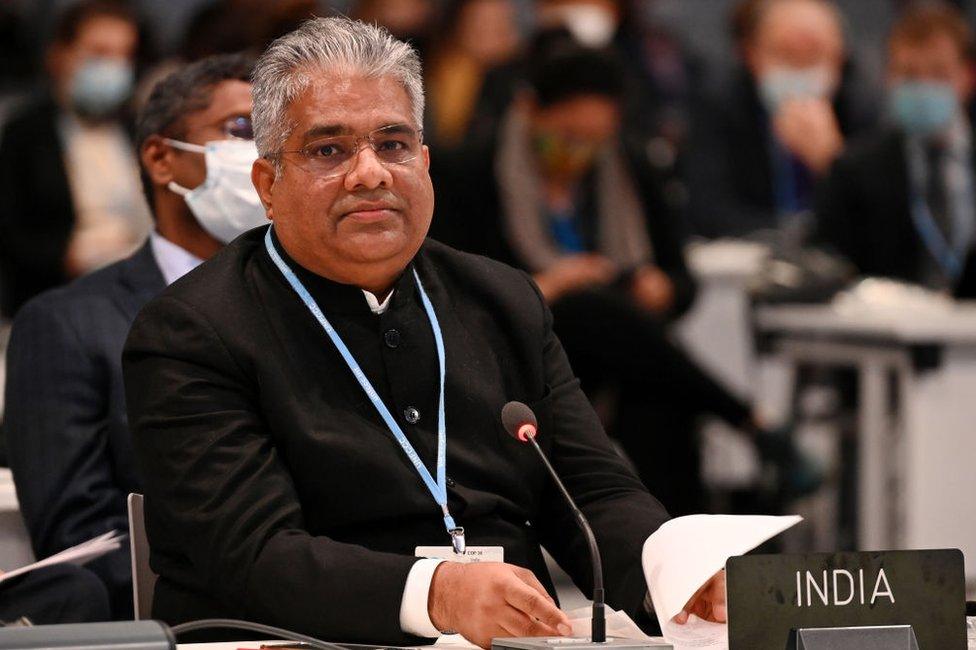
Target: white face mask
{"type": "Point", "coordinates": [226, 203]}
{"type": "Point", "coordinates": [590, 25]}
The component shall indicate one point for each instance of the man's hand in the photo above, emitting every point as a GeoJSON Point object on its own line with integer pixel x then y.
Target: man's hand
{"type": "Point", "coordinates": [653, 289]}
{"type": "Point", "coordinates": [573, 273]}
{"type": "Point", "coordinates": [809, 129]}
{"type": "Point", "coordinates": [492, 599]}
{"type": "Point", "coordinates": [708, 603]}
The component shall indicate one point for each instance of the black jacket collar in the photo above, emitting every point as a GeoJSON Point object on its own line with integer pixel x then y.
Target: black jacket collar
{"type": "Point", "coordinates": [140, 278]}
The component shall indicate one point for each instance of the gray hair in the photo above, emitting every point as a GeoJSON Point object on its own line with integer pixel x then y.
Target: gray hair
{"type": "Point", "coordinates": [326, 44]}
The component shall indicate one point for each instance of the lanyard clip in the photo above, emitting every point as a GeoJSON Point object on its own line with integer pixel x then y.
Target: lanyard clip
{"type": "Point", "coordinates": [457, 540]}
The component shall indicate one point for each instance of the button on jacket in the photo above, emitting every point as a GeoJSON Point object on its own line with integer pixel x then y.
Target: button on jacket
{"type": "Point", "coordinates": [276, 493]}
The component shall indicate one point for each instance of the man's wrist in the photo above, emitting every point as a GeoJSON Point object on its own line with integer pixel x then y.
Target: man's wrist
{"type": "Point", "coordinates": [438, 600]}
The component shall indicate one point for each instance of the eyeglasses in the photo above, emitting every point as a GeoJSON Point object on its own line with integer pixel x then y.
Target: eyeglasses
{"type": "Point", "coordinates": [334, 156]}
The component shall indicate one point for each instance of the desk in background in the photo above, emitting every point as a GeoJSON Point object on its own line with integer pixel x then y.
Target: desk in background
{"type": "Point", "coordinates": [917, 415]}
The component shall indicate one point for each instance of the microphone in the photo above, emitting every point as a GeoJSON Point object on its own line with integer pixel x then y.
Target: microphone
{"type": "Point", "coordinates": [520, 423]}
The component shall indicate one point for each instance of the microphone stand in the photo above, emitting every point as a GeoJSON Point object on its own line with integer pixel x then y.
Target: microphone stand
{"type": "Point", "coordinates": [598, 631]}
{"type": "Point", "coordinates": [521, 424]}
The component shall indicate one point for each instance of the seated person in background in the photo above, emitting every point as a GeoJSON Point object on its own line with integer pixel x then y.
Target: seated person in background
{"type": "Point", "coordinates": [291, 398]}
{"type": "Point", "coordinates": [69, 183]}
{"type": "Point", "coordinates": [760, 143]}
{"type": "Point", "coordinates": [62, 593]}
{"type": "Point", "coordinates": [69, 445]}
{"type": "Point", "coordinates": [477, 36]}
{"type": "Point", "coordinates": [557, 194]}
{"type": "Point", "coordinates": [902, 203]}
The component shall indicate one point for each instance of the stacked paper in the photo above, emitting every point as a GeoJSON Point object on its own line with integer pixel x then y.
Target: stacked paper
{"type": "Point", "coordinates": [80, 554]}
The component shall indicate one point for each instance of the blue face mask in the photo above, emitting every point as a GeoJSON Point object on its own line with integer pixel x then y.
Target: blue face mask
{"type": "Point", "coordinates": [781, 84]}
{"type": "Point", "coordinates": [100, 86]}
{"type": "Point", "coordinates": [922, 108]}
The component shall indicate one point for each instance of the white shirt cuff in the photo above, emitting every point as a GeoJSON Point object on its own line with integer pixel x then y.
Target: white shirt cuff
{"type": "Point", "coordinates": [414, 617]}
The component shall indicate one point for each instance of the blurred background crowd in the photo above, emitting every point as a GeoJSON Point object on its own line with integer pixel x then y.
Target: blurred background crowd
{"type": "Point", "coordinates": [610, 148]}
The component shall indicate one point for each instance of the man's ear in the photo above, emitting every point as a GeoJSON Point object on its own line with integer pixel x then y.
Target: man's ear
{"type": "Point", "coordinates": [969, 84]}
{"type": "Point", "coordinates": [157, 160]}
{"type": "Point", "coordinates": [263, 175]}
{"type": "Point", "coordinates": [56, 63]}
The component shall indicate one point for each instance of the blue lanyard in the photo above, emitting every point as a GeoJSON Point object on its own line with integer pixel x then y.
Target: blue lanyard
{"type": "Point", "coordinates": [438, 488]}
{"type": "Point", "coordinates": [935, 241]}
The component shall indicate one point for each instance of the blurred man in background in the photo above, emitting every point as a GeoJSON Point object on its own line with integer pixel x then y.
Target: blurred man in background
{"type": "Point", "coordinates": [901, 202]}
{"type": "Point", "coordinates": [67, 433]}
{"type": "Point", "coordinates": [761, 144]}
{"type": "Point", "coordinates": [69, 187]}
{"type": "Point", "coordinates": [414, 21]}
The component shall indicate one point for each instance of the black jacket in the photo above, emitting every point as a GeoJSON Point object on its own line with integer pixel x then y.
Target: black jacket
{"type": "Point", "coordinates": [276, 493]}
{"type": "Point", "coordinates": [67, 434]}
{"type": "Point", "coordinates": [864, 210]}
{"type": "Point", "coordinates": [36, 210]}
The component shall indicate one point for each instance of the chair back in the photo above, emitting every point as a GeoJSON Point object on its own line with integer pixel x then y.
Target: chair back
{"type": "Point", "coordinates": [143, 578]}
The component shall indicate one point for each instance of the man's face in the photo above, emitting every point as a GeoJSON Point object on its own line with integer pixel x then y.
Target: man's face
{"type": "Point", "coordinates": [228, 115]}
{"type": "Point", "coordinates": [935, 60]}
{"type": "Point", "coordinates": [374, 216]}
{"type": "Point", "coordinates": [798, 35]}
{"type": "Point", "coordinates": [99, 37]}
{"type": "Point", "coordinates": [488, 29]}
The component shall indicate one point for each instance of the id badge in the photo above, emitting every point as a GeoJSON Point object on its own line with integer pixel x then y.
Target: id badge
{"type": "Point", "coordinates": [473, 554]}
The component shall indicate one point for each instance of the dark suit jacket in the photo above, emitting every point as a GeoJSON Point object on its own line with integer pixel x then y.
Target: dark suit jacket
{"type": "Point", "coordinates": [728, 162]}
{"type": "Point", "coordinates": [276, 493]}
{"type": "Point", "coordinates": [66, 426]}
{"type": "Point", "coordinates": [36, 210]}
{"type": "Point", "coordinates": [864, 210]}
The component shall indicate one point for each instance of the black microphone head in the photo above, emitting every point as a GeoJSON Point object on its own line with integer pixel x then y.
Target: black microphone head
{"type": "Point", "coordinates": [515, 416]}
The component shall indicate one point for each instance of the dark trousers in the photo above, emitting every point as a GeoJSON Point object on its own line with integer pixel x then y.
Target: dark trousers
{"type": "Point", "coordinates": [56, 594]}
{"type": "Point", "coordinates": [611, 341]}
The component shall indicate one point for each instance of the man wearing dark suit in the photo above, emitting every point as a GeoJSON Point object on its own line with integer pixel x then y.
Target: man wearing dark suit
{"type": "Point", "coordinates": [67, 433]}
{"type": "Point", "coordinates": [286, 403]}
{"type": "Point", "coordinates": [762, 138]}
{"type": "Point", "coordinates": [900, 203]}
{"type": "Point", "coordinates": [69, 192]}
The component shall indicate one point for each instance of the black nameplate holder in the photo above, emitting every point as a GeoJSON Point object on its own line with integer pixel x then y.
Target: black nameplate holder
{"type": "Point", "coordinates": [891, 600]}
{"type": "Point", "coordinates": [887, 637]}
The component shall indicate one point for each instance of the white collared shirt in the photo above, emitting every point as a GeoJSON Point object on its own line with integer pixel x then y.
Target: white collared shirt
{"type": "Point", "coordinates": [375, 305]}
{"type": "Point", "coordinates": [173, 261]}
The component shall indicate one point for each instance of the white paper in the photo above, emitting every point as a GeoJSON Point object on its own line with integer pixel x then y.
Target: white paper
{"type": "Point", "coordinates": [80, 554]}
{"type": "Point", "coordinates": [696, 633]}
{"type": "Point", "coordinates": [618, 624]}
{"type": "Point", "coordinates": [684, 553]}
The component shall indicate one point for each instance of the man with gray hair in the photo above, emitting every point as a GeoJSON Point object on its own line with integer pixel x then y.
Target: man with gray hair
{"type": "Point", "coordinates": [317, 408]}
